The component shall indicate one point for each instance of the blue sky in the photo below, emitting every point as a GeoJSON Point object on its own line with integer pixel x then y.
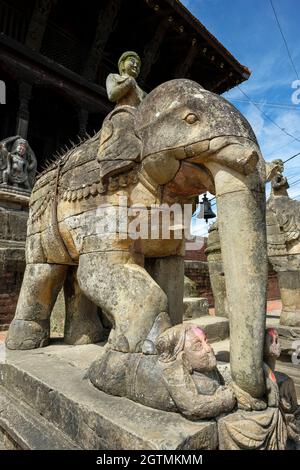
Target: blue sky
{"type": "Point", "coordinates": [249, 30]}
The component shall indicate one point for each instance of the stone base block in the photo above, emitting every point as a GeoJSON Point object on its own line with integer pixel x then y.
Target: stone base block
{"type": "Point", "coordinates": [194, 307]}
{"type": "Point", "coordinates": [46, 402]}
{"type": "Point", "coordinates": [216, 328]}
{"type": "Point", "coordinates": [289, 337]}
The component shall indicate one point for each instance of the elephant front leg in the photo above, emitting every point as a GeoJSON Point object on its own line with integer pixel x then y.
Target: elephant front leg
{"type": "Point", "coordinates": [30, 327]}
{"type": "Point", "coordinates": [241, 220]}
{"type": "Point", "coordinates": [128, 295]}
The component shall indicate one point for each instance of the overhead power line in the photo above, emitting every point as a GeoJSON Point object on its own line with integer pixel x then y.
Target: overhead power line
{"type": "Point", "coordinates": [291, 158]}
{"type": "Point", "coordinates": [293, 183]}
{"type": "Point", "coordinates": [267, 103]}
{"type": "Point", "coordinates": [268, 117]}
{"type": "Point", "coordinates": [284, 39]}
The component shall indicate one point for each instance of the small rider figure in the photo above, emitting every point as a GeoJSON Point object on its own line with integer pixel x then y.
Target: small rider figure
{"type": "Point", "coordinates": [122, 88]}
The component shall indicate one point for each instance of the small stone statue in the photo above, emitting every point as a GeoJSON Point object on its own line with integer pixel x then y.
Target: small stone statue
{"type": "Point", "coordinates": [283, 232]}
{"type": "Point", "coordinates": [122, 88]}
{"type": "Point", "coordinates": [17, 163]}
{"type": "Point", "coordinates": [119, 146]}
{"type": "Point", "coordinates": [271, 427]}
{"type": "Point", "coordinates": [184, 373]}
{"type": "Point", "coordinates": [286, 389]}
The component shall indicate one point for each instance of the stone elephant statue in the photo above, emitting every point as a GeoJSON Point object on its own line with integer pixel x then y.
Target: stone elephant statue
{"type": "Point", "coordinates": [179, 142]}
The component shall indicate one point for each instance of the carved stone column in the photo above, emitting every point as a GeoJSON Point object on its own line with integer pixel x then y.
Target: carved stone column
{"type": "Point", "coordinates": [107, 22]}
{"type": "Point", "coordinates": [38, 23]}
{"type": "Point", "coordinates": [25, 91]}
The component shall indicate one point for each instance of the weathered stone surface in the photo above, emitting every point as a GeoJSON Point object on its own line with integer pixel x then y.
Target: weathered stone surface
{"type": "Point", "coordinates": [289, 285]}
{"type": "Point", "coordinates": [253, 430]}
{"type": "Point", "coordinates": [283, 229]}
{"type": "Point", "coordinates": [23, 428]}
{"type": "Point", "coordinates": [190, 288]}
{"type": "Point", "coordinates": [194, 307]}
{"type": "Point", "coordinates": [89, 418]}
{"type": "Point", "coordinates": [58, 316]}
{"type": "Point", "coordinates": [169, 273]}
{"type": "Point", "coordinates": [216, 271]}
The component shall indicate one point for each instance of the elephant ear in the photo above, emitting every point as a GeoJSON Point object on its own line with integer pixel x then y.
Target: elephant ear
{"type": "Point", "coordinates": [120, 147]}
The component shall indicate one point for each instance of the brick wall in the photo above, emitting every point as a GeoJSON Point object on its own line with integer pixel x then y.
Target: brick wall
{"type": "Point", "coordinates": [12, 266]}
{"type": "Point", "coordinates": [12, 261]}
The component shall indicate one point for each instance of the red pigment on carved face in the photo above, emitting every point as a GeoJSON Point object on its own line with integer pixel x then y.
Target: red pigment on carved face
{"type": "Point", "coordinates": [199, 332]}
{"type": "Point", "coordinates": [272, 332]}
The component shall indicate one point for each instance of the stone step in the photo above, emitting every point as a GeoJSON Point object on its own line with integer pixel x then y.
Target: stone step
{"type": "Point", "coordinates": [292, 370]}
{"type": "Point", "coordinates": [25, 429]}
{"type": "Point", "coordinates": [222, 350]}
{"type": "Point", "coordinates": [52, 381]}
{"type": "Point", "coordinates": [216, 328]}
{"type": "Point", "coordinates": [194, 307]}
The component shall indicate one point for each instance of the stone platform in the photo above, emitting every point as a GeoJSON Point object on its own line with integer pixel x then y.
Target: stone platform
{"type": "Point", "coordinates": [46, 402]}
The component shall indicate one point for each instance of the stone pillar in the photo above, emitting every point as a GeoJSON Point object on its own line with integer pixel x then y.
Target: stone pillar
{"type": "Point", "coordinates": [216, 272]}
{"type": "Point", "coordinates": [289, 285]}
{"type": "Point", "coordinates": [25, 91]}
{"type": "Point", "coordinates": [169, 274]}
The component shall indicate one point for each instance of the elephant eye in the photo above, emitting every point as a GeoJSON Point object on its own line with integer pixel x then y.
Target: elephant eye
{"type": "Point", "coordinates": [191, 118]}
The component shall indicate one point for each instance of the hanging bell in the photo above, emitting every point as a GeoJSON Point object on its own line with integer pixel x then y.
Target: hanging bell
{"type": "Point", "coordinates": [208, 213]}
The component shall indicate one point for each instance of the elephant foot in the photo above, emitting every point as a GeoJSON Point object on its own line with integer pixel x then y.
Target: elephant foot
{"type": "Point", "coordinates": [245, 401]}
{"type": "Point", "coordinates": [26, 334]}
{"type": "Point", "coordinates": [161, 324]}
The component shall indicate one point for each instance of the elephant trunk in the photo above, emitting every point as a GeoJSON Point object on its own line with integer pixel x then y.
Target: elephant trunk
{"type": "Point", "coordinates": [241, 220]}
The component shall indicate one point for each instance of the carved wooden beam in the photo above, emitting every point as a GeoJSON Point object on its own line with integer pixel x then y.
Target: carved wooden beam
{"type": "Point", "coordinates": [152, 49]}
{"type": "Point", "coordinates": [38, 23]}
{"type": "Point", "coordinates": [25, 92]}
{"type": "Point", "coordinates": [83, 117]}
{"type": "Point", "coordinates": [107, 22]}
{"type": "Point", "coordinates": [184, 66]}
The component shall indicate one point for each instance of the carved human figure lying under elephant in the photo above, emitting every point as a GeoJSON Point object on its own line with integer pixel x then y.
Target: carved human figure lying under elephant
{"type": "Point", "coordinates": [184, 373]}
{"type": "Point", "coordinates": [180, 141]}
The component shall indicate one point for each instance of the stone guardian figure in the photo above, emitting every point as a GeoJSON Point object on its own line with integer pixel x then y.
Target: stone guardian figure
{"type": "Point", "coordinates": [17, 163]}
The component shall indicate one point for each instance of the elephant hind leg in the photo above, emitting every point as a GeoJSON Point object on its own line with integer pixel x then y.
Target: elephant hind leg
{"type": "Point", "coordinates": [128, 296]}
{"type": "Point", "coordinates": [82, 325]}
{"type": "Point", "coordinates": [30, 327]}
